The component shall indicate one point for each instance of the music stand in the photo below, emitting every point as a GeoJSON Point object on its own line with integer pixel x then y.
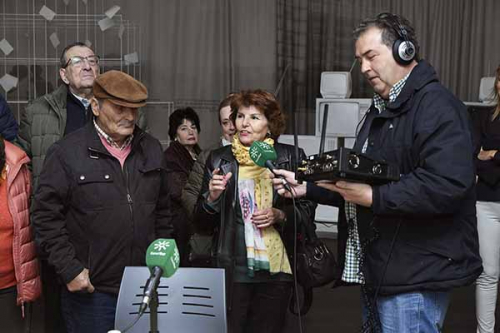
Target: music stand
{"type": "Point", "coordinates": [192, 300]}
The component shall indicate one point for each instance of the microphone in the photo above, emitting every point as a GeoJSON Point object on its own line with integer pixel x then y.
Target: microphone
{"type": "Point", "coordinates": [263, 155]}
{"type": "Point", "coordinates": [162, 258]}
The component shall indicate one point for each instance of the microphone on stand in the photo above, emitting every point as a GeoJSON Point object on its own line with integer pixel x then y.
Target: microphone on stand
{"type": "Point", "coordinates": [162, 258]}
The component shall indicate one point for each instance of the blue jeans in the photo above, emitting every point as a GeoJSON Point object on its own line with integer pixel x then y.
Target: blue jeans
{"type": "Point", "coordinates": [412, 312]}
{"type": "Point", "coordinates": [84, 313]}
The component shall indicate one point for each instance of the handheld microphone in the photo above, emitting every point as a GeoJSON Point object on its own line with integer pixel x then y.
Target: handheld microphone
{"type": "Point", "coordinates": [263, 155]}
{"type": "Point", "coordinates": [162, 258]}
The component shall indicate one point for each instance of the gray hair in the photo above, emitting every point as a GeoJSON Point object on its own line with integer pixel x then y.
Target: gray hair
{"type": "Point", "coordinates": [62, 59]}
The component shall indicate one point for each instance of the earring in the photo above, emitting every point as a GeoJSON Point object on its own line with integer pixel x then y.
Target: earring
{"type": "Point", "coordinates": [3, 173]}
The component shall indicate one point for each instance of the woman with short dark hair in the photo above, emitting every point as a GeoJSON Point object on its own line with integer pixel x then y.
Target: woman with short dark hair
{"type": "Point", "coordinates": [184, 127]}
{"type": "Point", "coordinates": [183, 120]}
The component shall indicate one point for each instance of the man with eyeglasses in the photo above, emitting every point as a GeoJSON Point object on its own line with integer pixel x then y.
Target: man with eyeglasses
{"type": "Point", "coordinates": [45, 121]}
{"type": "Point", "coordinates": [54, 115]}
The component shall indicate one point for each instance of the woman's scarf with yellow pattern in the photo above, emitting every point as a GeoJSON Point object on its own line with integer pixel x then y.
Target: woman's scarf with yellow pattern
{"type": "Point", "coordinates": [265, 249]}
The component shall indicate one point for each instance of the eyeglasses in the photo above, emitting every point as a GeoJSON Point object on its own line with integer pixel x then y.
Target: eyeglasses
{"type": "Point", "coordinates": [78, 61]}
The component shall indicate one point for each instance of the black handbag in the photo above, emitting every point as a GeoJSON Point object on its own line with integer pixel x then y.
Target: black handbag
{"type": "Point", "coordinates": [316, 267]}
{"type": "Point", "coordinates": [316, 264]}
{"type": "Point", "coordinates": [201, 250]}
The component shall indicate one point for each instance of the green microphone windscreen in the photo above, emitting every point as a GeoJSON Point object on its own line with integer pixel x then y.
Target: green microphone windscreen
{"type": "Point", "coordinates": [163, 253]}
{"type": "Point", "coordinates": [261, 152]}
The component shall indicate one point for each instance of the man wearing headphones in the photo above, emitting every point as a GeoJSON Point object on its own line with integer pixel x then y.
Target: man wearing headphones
{"type": "Point", "coordinates": [408, 243]}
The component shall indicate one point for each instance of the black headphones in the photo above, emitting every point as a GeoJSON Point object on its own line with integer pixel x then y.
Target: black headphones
{"type": "Point", "coordinates": [403, 49]}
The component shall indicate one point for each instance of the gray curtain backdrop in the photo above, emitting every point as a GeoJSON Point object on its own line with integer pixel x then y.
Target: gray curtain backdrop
{"type": "Point", "coordinates": [191, 52]}
{"type": "Point", "coordinates": [194, 52]}
{"type": "Point", "coordinates": [198, 51]}
{"type": "Point", "coordinates": [204, 49]}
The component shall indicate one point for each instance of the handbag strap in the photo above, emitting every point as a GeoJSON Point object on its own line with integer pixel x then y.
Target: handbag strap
{"type": "Point", "coordinates": [309, 230]}
{"type": "Point", "coordinates": [309, 234]}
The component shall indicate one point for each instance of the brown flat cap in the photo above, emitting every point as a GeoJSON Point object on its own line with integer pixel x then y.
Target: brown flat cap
{"type": "Point", "coordinates": [120, 89]}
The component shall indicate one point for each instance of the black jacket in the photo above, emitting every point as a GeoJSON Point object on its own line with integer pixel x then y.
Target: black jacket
{"type": "Point", "coordinates": [223, 223]}
{"type": "Point", "coordinates": [487, 137]}
{"type": "Point", "coordinates": [8, 124]}
{"type": "Point", "coordinates": [91, 213]}
{"type": "Point", "coordinates": [430, 213]}
{"type": "Point", "coordinates": [178, 162]}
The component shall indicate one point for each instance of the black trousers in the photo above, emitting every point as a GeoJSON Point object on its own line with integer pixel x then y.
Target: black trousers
{"type": "Point", "coordinates": [182, 234]}
{"type": "Point", "coordinates": [51, 298]}
{"type": "Point", "coordinates": [259, 307]}
{"type": "Point", "coordinates": [10, 314]}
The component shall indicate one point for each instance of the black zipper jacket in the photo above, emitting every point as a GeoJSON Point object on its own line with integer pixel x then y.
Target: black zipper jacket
{"type": "Point", "coordinates": [90, 213]}
{"type": "Point", "coordinates": [423, 226]}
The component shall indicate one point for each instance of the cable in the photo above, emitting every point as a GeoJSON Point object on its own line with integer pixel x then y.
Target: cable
{"type": "Point", "coordinates": [295, 282]}
{"type": "Point", "coordinates": [373, 316]}
{"type": "Point", "coordinates": [139, 315]}
{"type": "Point", "coordinates": [361, 122]}
{"type": "Point", "coordinates": [386, 265]}
{"type": "Point", "coordinates": [372, 323]}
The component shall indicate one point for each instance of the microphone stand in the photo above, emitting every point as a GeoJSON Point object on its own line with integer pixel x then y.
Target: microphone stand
{"type": "Point", "coordinates": [153, 313]}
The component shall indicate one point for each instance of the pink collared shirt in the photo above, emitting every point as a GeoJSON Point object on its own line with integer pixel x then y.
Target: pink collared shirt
{"type": "Point", "coordinates": [120, 154]}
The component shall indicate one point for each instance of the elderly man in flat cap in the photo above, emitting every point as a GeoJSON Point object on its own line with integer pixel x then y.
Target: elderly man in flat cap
{"type": "Point", "coordinates": [101, 200]}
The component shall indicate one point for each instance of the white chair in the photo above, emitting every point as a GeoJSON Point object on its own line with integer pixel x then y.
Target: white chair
{"type": "Point", "coordinates": [192, 300]}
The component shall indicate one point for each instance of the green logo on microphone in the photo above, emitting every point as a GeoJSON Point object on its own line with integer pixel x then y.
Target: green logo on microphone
{"type": "Point", "coordinates": [161, 245]}
{"type": "Point", "coordinates": [164, 254]}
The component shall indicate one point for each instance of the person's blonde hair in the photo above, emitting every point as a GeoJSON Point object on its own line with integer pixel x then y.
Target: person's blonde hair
{"type": "Point", "coordinates": [495, 93]}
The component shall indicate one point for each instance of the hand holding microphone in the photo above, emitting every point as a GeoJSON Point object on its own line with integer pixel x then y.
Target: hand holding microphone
{"type": "Point", "coordinates": [263, 155]}
{"type": "Point", "coordinates": [284, 182]}
{"type": "Point", "coordinates": [298, 190]}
